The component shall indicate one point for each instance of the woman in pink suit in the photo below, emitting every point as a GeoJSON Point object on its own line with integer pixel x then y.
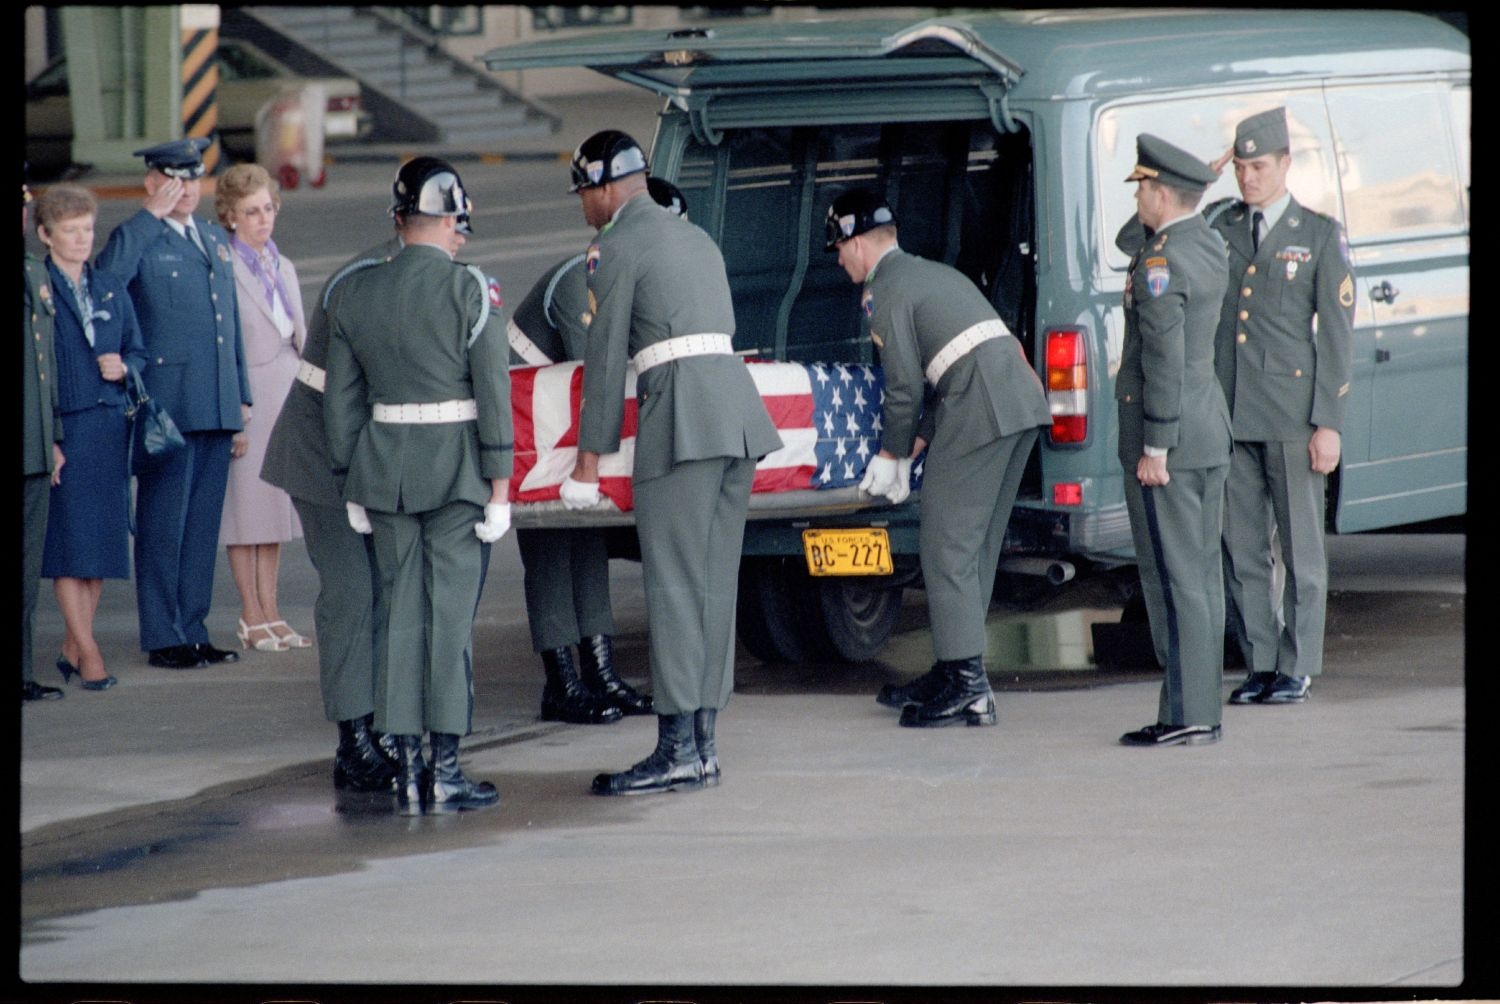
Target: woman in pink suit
{"type": "Point", "coordinates": [257, 516]}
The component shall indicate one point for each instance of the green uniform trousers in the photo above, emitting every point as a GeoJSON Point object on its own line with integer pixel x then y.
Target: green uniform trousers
{"type": "Point", "coordinates": [36, 497]}
{"type": "Point", "coordinates": [566, 579]}
{"type": "Point", "coordinates": [1273, 484]}
{"type": "Point", "coordinates": [691, 523]}
{"type": "Point", "coordinates": [431, 567]}
{"type": "Point", "coordinates": [344, 611]}
{"type": "Point", "coordinates": [1176, 530]}
{"type": "Point", "coordinates": [966, 503]}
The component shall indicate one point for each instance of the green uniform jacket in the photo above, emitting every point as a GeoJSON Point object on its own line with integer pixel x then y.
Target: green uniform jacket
{"type": "Point", "coordinates": [915, 307]}
{"type": "Point", "coordinates": [1280, 378]}
{"type": "Point", "coordinates": [654, 276]}
{"type": "Point", "coordinates": [1166, 389]}
{"type": "Point", "coordinates": [554, 316]}
{"type": "Point", "coordinates": [41, 424]}
{"type": "Point", "coordinates": [297, 459]}
{"type": "Point", "coordinates": [404, 333]}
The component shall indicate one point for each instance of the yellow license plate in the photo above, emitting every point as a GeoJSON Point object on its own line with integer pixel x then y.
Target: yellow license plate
{"type": "Point", "coordinates": [847, 552]}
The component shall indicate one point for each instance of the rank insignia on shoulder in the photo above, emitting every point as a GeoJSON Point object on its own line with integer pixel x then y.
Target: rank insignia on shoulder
{"type": "Point", "coordinates": [591, 260]}
{"type": "Point", "coordinates": [1346, 292]}
{"type": "Point", "coordinates": [867, 303]}
{"type": "Point", "coordinates": [593, 303]}
{"type": "Point", "coordinates": [1158, 275]}
{"type": "Point", "coordinates": [1343, 390]}
{"type": "Point", "coordinates": [494, 291]}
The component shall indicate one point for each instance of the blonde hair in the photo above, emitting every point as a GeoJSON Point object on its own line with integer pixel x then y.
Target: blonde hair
{"type": "Point", "coordinates": [64, 202]}
{"type": "Point", "coordinates": [238, 182]}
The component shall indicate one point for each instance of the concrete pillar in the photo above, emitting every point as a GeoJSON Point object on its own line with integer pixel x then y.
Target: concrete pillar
{"type": "Point", "coordinates": [123, 83]}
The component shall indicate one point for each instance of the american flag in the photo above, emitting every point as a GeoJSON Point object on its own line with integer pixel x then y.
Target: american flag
{"type": "Point", "coordinates": [828, 415]}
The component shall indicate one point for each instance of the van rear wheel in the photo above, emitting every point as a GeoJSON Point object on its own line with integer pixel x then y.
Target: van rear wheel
{"type": "Point", "coordinates": [858, 615]}
{"type": "Point", "coordinates": [785, 615]}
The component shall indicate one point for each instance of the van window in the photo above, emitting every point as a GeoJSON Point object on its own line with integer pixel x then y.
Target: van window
{"type": "Point", "coordinates": [1205, 127]}
{"type": "Point", "coordinates": [1397, 161]}
{"type": "Point", "coordinates": [1461, 142]}
{"type": "Point", "coordinates": [961, 193]}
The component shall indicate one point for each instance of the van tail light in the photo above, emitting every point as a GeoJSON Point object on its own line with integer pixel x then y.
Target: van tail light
{"type": "Point", "coordinates": [343, 104]}
{"type": "Point", "coordinates": [1068, 384]}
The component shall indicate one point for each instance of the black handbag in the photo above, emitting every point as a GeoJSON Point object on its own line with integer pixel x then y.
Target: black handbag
{"type": "Point", "coordinates": [154, 437]}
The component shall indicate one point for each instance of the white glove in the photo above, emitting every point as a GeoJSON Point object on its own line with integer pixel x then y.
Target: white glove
{"type": "Point", "coordinates": [898, 494]}
{"type": "Point", "coordinates": [358, 518]}
{"type": "Point", "coordinates": [880, 476]}
{"type": "Point", "coordinates": [579, 494]}
{"type": "Point", "coordinates": [496, 522]}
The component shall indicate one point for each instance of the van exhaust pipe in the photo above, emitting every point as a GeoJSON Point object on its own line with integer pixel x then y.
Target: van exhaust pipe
{"type": "Point", "coordinates": [1054, 571]}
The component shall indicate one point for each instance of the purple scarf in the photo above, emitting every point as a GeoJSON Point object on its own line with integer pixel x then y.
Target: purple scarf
{"type": "Point", "coordinates": [270, 277]}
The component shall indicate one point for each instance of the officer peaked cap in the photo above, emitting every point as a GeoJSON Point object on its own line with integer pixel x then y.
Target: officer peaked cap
{"type": "Point", "coordinates": [1160, 161]}
{"type": "Point", "coordinates": [181, 158]}
{"type": "Point", "coordinates": [1262, 133]}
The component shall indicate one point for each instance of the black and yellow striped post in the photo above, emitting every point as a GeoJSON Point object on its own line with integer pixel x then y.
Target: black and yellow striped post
{"type": "Point", "coordinates": [200, 79]}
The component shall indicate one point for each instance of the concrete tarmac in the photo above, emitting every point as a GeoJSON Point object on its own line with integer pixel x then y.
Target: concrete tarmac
{"type": "Point", "coordinates": [182, 828]}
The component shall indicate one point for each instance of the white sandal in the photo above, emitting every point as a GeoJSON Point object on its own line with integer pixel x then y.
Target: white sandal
{"type": "Point", "coordinates": [271, 643]}
{"type": "Point", "coordinates": [290, 640]}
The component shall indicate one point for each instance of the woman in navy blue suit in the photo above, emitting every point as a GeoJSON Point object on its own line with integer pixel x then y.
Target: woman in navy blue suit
{"type": "Point", "coordinates": [97, 341]}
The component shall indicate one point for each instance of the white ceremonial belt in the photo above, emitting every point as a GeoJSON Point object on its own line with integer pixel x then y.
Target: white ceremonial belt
{"type": "Point", "coordinates": [962, 344]}
{"type": "Point", "coordinates": [314, 376]}
{"type": "Point", "coordinates": [682, 347]}
{"type": "Point", "coordinates": [430, 413]}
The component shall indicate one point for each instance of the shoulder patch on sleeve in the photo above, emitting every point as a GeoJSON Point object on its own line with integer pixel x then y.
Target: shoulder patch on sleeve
{"type": "Point", "coordinates": [1158, 275]}
{"type": "Point", "coordinates": [1346, 292]}
{"type": "Point", "coordinates": [591, 259]}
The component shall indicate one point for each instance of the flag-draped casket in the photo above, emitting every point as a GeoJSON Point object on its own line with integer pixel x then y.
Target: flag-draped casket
{"type": "Point", "coordinates": [828, 415]}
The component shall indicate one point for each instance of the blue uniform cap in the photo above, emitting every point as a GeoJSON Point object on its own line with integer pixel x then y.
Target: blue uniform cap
{"type": "Point", "coordinates": [181, 158]}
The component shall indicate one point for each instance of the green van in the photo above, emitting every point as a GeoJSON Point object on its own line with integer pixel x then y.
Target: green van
{"type": "Point", "coordinates": [1002, 140]}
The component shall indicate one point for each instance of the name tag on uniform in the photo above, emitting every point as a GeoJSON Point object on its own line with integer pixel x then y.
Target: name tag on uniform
{"type": "Point", "coordinates": [168, 256]}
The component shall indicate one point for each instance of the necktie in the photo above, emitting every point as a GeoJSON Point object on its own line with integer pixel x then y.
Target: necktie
{"type": "Point", "coordinates": [192, 233]}
{"type": "Point", "coordinates": [1256, 222]}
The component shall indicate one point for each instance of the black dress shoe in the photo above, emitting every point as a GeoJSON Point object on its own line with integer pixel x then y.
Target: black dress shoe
{"type": "Point", "coordinates": [211, 655]}
{"type": "Point", "coordinates": [1253, 689]}
{"type": "Point", "coordinates": [33, 691]}
{"type": "Point", "coordinates": [965, 696]}
{"type": "Point", "coordinates": [1172, 735]}
{"type": "Point", "coordinates": [1287, 690]}
{"type": "Point", "coordinates": [175, 657]}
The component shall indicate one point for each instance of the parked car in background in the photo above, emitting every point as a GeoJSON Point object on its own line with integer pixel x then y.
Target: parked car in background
{"type": "Point", "coordinates": [248, 78]}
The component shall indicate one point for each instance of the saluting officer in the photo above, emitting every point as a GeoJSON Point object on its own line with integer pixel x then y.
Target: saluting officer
{"type": "Point", "coordinates": [566, 570]}
{"type": "Point", "coordinates": [935, 330]}
{"type": "Point", "coordinates": [180, 274]}
{"type": "Point", "coordinates": [298, 462]}
{"type": "Point", "coordinates": [41, 452]}
{"type": "Point", "coordinates": [417, 410]}
{"type": "Point", "coordinates": [1174, 439]}
{"type": "Point", "coordinates": [658, 292]}
{"type": "Point", "coordinates": [1285, 354]}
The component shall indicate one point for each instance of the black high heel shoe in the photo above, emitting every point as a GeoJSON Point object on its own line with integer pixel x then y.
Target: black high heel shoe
{"type": "Point", "coordinates": [67, 669]}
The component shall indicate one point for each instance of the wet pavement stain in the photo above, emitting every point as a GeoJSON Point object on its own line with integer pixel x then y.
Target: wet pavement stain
{"type": "Point", "coordinates": [285, 825]}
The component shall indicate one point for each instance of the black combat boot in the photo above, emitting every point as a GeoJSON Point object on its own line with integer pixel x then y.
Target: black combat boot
{"type": "Point", "coordinates": [703, 733]}
{"type": "Point", "coordinates": [358, 764]}
{"type": "Point", "coordinates": [565, 697]}
{"type": "Point", "coordinates": [672, 765]}
{"type": "Point", "coordinates": [449, 790]}
{"type": "Point", "coordinates": [597, 661]}
{"type": "Point", "coordinates": [919, 691]}
{"type": "Point", "coordinates": [965, 698]}
{"type": "Point", "coordinates": [385, 745]}
{"type": "Point", "coordinates": [411, 777]}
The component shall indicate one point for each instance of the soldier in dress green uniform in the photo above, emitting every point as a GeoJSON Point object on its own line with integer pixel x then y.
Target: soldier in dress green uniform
{"type": "Point", "coordinates": [659, 299]}
{"type": "Point", "coordinates": [298, 462]}
{"type": "Point", "coordinates": [1174, 439]}
{"type": "Point", "coordinates": [567, 568]}
{"type": "Point", "coordinates": [41, 454]}
{"type": "Point", "coordinates": [417, 411]}
{"type": "Point", "coordinates": [1284, 358]}
{"type": "Point", "coordinates": [939, 338]}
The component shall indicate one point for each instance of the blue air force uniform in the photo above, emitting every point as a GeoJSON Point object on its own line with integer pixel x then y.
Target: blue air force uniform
{"type": "Point", "coordinates": [195, 369]}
